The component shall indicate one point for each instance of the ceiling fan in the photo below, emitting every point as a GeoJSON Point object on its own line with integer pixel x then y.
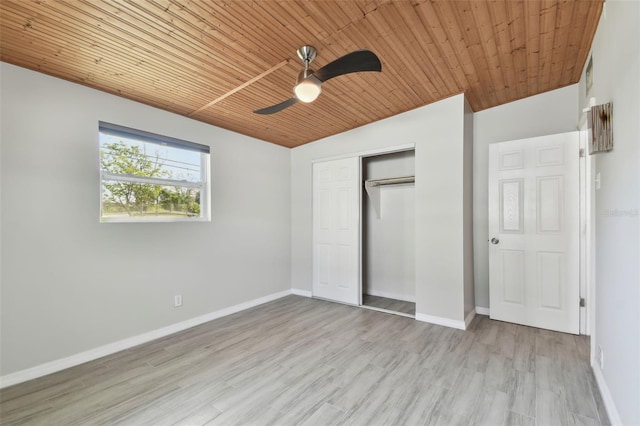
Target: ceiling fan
{"type": "Point", "coordinates": [309, 82]}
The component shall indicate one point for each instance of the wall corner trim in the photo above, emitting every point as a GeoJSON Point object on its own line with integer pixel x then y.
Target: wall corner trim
{"type": "Point", "coordinates": [304, 293]}
{"type": "Point", "coordinates": [447, 322]}
{"type": "Point", "coordinates": [482, 311]}
{"type": "Point", "coordinates": [99, 352]}
{"type": "Point", "coordinates": [609, 405]}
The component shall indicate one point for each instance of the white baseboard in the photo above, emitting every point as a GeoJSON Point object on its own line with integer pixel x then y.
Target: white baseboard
{"type": "Point", "coordinates": [482, 311]}
{"type": "Point", "coordinates": [90, 355]}
{"type": "Point", "coordinates": [609, 405]}
{"type": "Point", "coordinates": [298, 292]}
{"type": "Point", "coordinates": [391, 295]}
{"type": "Point", "coordinates": [447, 322]}
{"type": "Point", "coordinates": [469, 318]}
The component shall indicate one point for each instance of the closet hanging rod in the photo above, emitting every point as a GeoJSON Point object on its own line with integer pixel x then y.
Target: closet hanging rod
{"type": "Point", "coordinates": [390, 181]}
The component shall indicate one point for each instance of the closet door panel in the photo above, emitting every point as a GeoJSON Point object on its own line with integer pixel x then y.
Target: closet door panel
{"type": "Point", "coordinates": [336, 224]}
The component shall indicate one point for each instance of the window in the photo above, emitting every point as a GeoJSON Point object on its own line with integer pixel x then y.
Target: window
{"type": "Point", "coordinates": [146, 177]}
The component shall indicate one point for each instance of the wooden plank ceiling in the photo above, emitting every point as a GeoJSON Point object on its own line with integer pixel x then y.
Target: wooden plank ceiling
{"type": "Point", "coordinates": [180, 55]}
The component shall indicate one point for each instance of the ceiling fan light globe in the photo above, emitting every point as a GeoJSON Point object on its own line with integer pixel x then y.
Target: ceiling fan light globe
{"type": "Point", "coordinates": [307, 90]}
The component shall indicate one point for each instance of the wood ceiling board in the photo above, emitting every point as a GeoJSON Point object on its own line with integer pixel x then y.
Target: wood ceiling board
{"type": "Point", "coordinates": [162, 43]}
{"type": "Point", "coordinates": [161, 98]}
{"type": "Point", "coordinates": [224, 38]}
{"type": "Point", "coordinates": [422, 39]}
{"type": "Point", "coordinates": [444, 49]}
{"type": "Point", "coordinates": [240, 87]}
{"type": "Point", "coordinates": [460, 43]}
{"type": "Point", "coordinates": [180, 55]}
{"type": "Point", "coordinates": [500, 22]}
{"type": "Point", "coordinates": [393, 65]}
{"type": "Point", "coordinates": [532, 25]}
{"type": "Point", "coordinates": [407, 49]}
{"type": "Point", "coordinates": [518, 45]}
{"type": "Point", "coordinates": [586, 28]}
{"type": "Point", "coordinates": [483, 52]}
{"type": "Point", "coordinates": [547, 25]}
{"type": "Point", "coordinates": [561, 57]}
{"type": "Point", "coordinates": [94, 49]}
{"type": "Point", "coordinates": [389, 81]}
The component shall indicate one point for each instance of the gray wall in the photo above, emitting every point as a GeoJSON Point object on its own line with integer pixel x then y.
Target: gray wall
{"type": "Point", "coordinates": [70, 283]}
{"type": "Point", "coordinates": [437, 131]}
{"type": "Point", "coordinates": [545, 114]}
{"type": "Point", "coordinates": [616, 75]}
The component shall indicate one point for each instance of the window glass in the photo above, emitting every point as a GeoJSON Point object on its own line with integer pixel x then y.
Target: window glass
{"type": "Point", "coordinates": [151, 178]}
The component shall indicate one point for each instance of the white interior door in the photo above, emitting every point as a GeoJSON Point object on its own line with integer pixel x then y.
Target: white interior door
{"type": "Point", "coordinates": [336, 230]}
{"type": "Point", "coordinates": [534, 232]}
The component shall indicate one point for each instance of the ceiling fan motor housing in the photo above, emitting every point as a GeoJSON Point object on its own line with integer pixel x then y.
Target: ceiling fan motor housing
{"type": "Point", "coordinates": [304, 74]}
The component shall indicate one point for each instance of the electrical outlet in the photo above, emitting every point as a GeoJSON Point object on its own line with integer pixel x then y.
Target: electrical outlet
{"type": "Point", "coordinates": [601, 357]}
{"type": "Point", "coordinates": [177, 300]}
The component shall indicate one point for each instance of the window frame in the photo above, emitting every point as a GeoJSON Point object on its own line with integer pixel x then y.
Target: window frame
{"type": "Point", "coordinates": [204, 185]}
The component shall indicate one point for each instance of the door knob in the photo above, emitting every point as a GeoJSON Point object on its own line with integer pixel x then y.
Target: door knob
{"type": "Point", "coordinates": [495, 241]}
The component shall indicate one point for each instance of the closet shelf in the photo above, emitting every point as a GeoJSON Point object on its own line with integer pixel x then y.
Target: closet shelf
{"type": "Point", "coordinates": [390, 181]}
{"type": "Point", "coordinates": [372, 186]}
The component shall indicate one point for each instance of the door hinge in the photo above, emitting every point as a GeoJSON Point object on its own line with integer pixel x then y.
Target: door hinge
{"type": "Point", "coordinates": [582, 303]}
{"type": "Point", "coordinates": [581, 152]}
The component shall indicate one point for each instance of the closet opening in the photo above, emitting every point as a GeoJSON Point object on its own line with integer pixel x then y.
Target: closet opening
{"type": "Point", "coordinates": [388, 233]}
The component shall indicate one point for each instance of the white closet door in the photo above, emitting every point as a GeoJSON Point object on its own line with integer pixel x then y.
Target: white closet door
{"type": "Point", "coordinates": [336, 225]}
{"type": "Point", "coordinates": [533, 232]}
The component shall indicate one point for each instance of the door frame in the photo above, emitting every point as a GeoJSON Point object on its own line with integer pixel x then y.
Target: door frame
{"type": "Point", "coordinates": [367, 153]}
{"type": "Point", "coordinates": [587, 232]}
{"type": "Point", "coordinates": [361, 155]}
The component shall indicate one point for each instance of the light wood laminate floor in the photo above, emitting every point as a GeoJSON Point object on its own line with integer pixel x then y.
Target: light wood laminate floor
{"type": "Point", "coordinates": [389, 304]}
{"type": "Point", "coordinates": [300, 361]}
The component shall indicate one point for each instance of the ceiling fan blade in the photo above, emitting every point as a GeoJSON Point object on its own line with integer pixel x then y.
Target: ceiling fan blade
{"type": "Point", "coordinates": [277, 107]}
{"type": "Point", "coordinates": [357, 61]}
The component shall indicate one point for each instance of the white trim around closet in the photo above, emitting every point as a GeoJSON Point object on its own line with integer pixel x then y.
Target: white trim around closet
{"type": "Point", "coordinates": [369, 153]}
